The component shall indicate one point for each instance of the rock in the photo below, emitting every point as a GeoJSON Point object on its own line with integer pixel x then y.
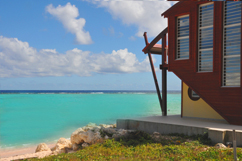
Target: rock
{"type": "Point", "coordinates": [106, 137]}
{"type": "Point", "coordinates": [75, 139]}
{"type": "Point", "coordinates": [122, 132]}
{"type": "Point", "coordinates": [74, 136]}
{"type": "Point", "coordinates": [106, 126]}
{"type": "Point", "coordinates": [96, 129]}
{"type": "Point", "coordinates": [116, 136]}
{"type": "Point", "coordinates": [109, 131]}
{"type": "Point", "coordinates": [156, 133]}
{"type": "Point", "coordinates": [93, 128]}
{"type": "Point", "coordinates": [75, 147]}
{"type": "Point", "coordinates": [90, 137]}
{"type": "Point", "coordinates": [55, 152]}
{"type": "Point", "coordinates": [62, 146]}
{"type": "Point", "coordinates": [220, 146]}
{"type": "Point", "coordinates": [42, 147]}
{"type": "Point", "coordinates": [114, 125]}
{"type": "Point", "coordinates": [86, 128]}
{"type": "Point", "coordinates": [69, 150]}
{"type": "Point", "coordinates": [102, 125]}
{"type": "Point", "coordinates": [90, 124]}
{"type": "Point", "coordinates": [64, 142]}
{"type": "Point", "coordinates": [129, 131]}
{"type": "Point", "coordinates": [156, 136]}
{"type": "Point", "coordinates": [85, 145]}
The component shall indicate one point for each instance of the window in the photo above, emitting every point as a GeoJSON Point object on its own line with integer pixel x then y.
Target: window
{"type": "Point", "coordinates": [232, 44]}
{"type": "Point", "coordinates": [205, 39]}
{"type": "Point", "coordinates": [192, 95]}
{"type": "Point", "coordinates": [182, 37]}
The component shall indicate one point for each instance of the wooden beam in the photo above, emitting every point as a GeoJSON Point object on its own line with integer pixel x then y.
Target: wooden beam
{"type": "Point", "coordinates": [154, 75]}
{"type": "Point", "coordinates": [153, 42]}
{"type": "Point", "coordinates": [156, 83]}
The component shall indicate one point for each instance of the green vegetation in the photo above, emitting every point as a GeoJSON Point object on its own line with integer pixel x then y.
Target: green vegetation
{"type": "Point", "coordinates": [141, 146]}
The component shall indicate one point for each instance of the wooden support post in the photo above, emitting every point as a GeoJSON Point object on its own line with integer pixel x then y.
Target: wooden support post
{"type": "Point", "coordinates": [163, 100]}
{"type": "Point", "coordinates": [154, 74]}
{"type": "Point", "coordinates": [164, 77]}
{"type": "Point", "coordinates": [156, 82]}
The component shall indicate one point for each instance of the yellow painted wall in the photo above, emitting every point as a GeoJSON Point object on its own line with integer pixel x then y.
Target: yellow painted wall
{"type": "Point", "coordinates": [197, 108]}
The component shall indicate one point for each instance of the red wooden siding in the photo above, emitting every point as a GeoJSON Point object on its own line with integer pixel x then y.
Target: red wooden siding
{"type": "Point", "coordinates": [227, 101]}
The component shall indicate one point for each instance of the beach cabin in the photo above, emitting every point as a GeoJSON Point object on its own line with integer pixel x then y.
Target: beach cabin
{"type": "Point", "coordinates": [202, 46]}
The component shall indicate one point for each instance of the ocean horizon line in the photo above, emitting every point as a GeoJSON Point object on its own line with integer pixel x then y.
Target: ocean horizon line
{"type": "Point", "coordinates": [84, 91]}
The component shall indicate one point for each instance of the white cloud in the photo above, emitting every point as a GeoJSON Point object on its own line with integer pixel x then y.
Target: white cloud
{"type": "Point", "coordinates": [146, 15]}
{"type": "Point", "coordinates": [18, 59]}
{"type": "Point", "coordinates": [67, 15]}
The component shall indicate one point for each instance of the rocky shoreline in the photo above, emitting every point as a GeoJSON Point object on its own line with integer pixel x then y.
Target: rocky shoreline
{"type": "Point", "coordinates": [88, 135]}
{"type": "Point", "coordinates": [80, 138]}
{"type": "Point", "coordinates": [83, 137]}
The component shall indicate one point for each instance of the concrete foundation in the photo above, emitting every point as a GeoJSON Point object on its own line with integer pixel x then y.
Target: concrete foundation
{"type": "Point", "coordinates": [218, 131]}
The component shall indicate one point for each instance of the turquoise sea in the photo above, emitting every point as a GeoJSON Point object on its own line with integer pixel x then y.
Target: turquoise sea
{"type": "Point", "coordinates": [29, 117]}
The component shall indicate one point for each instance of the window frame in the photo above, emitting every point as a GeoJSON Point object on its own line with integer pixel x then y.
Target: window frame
{"type": "Point", "coordinates": [223, 50]}
{"type": "Point", "coordinates": [176, 53]}
{"type": "Point", "coordinates": [191, 95]}
{"type": "Point", "coordinates": [198, 37]}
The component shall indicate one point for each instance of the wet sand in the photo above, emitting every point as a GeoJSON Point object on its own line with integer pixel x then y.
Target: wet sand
{"type": "Point", "coordinates": [21, 153]}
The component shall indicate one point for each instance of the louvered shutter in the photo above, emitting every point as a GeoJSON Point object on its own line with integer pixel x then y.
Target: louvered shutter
{"type": "Point", "coordinates": [205, 40]}
{"type": "Point", "coordinates": [232, 43]}
{"type": "Point", "coordinates": [182, 37]}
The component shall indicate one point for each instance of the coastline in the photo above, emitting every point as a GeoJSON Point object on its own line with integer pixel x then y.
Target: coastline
{"type": "Point", "coordinates": [90, 132]}
{"type": "Point", "coordinates": [120, 138]}
{"type": "Point", "coordinates": [15, 153]}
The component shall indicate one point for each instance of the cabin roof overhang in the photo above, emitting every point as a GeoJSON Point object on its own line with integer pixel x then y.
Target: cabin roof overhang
{"type": "Point", "coordinates": [182, 4]}
{"type": "Point", "coordinates": [171, 9]}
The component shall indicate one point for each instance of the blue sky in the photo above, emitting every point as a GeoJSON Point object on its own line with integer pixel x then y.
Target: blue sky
{"type": "Point", "coordinates": [79, 45]}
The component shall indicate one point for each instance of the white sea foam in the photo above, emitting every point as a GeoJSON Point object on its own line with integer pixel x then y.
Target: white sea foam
{"type": "Point", "coordinates": [26, 145]}
{"type": "Point", "coordinates": [96, 93]}
{"type": "Point", "coordinates": [7, 147]}
{"type": "Point", "coordinates": [131, 93]}
{"type": "Point", "coordinates": [43, 93]}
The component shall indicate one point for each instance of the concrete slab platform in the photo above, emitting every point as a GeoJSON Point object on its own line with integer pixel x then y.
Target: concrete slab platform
{"type": "Point", "coordinates": [219, 131]}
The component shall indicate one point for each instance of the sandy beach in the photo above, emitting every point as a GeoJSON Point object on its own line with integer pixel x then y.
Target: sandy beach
{"type": "Point", "coordinates": [21, 153]}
